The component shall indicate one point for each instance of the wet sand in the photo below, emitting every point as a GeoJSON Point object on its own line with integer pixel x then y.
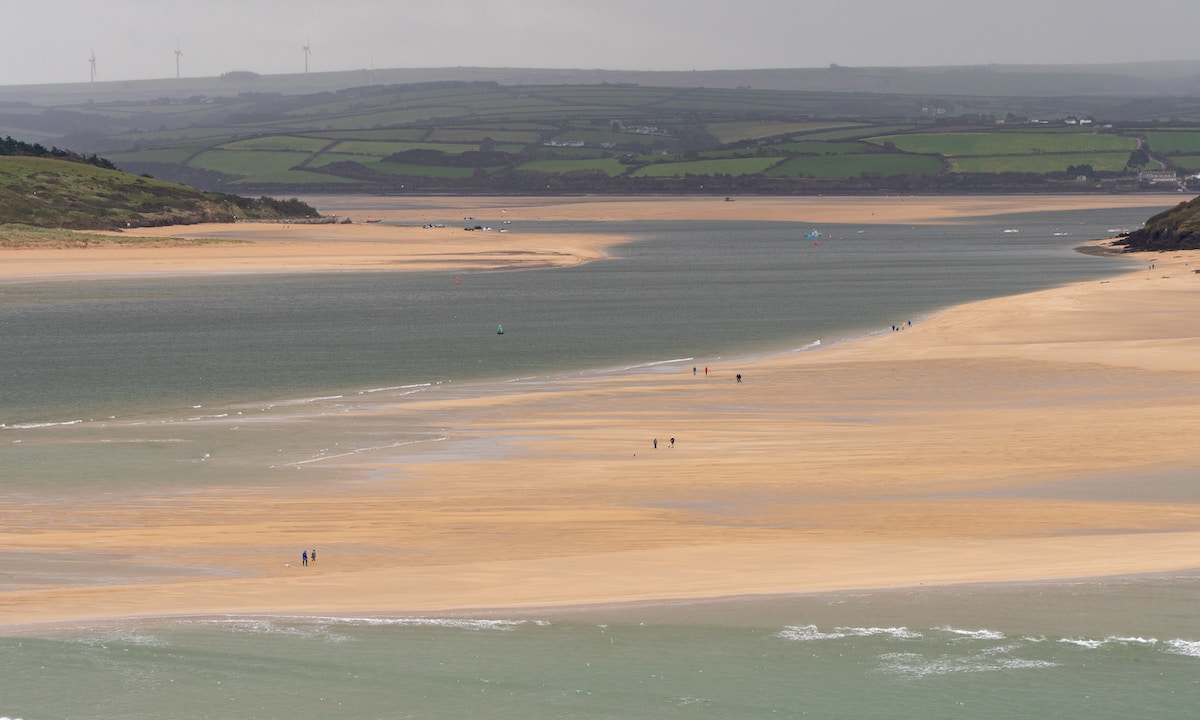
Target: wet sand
{"type": "Point", "coordinates": [406, 244]}
{"type": "Point", "coordinates": [1039, 436]}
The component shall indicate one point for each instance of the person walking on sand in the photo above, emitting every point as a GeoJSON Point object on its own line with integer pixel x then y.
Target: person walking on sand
{"type": "Point", "coordinates": [655, 443]}
{"type": "Point", "coordinates": [304, 558]}
{"type": "Point", "coordinates": [706, 371]}
{"type": "Point", "coordinates": [312, 557]}
{"type": "Point", "coordinates": [672, 442]}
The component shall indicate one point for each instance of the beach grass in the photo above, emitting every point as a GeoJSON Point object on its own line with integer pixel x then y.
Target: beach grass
{"type": "Point", "coordinates": [16, 237]}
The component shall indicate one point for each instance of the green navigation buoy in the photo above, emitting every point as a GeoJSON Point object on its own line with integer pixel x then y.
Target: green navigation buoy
{"type": "Point", "coordinates": [499, 329]}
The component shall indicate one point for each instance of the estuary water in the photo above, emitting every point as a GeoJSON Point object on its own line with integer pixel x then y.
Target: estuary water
{"type": "Point", "coordinates": [158, 383]}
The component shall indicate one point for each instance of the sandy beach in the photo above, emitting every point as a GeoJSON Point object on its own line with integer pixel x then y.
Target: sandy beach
{"type": "Point", "coordinates": [364, 245]}
{"type": "Point", "coordinates": [1031, 437]}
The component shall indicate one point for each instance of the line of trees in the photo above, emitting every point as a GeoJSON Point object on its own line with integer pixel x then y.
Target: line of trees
{"type": "Point", "coordinates": [18, 148]}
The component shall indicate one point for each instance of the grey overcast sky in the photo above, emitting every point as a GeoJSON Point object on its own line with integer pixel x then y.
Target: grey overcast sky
{"type": "Point", "coordinates": [53, 41]}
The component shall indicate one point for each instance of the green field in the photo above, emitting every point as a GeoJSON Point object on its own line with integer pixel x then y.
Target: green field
{"type": "Point", "coordinates": [1174, 141]}
{"type": "Point", "coordinates": [1040, 164]}
{"type": "Point", "coordinates": [328, 158]}
{"type": "Point", "coordinates": [608, 166]}
{"type": "Point", "coordinates": [1187, 163]}
{"type": "Point", "coordinates": [188, 134]}
{"type": "Point", "coordinates": [401, 134]}
{"type": "Point", "coordinates": [728, 132]}
{"type": "Point", "coordinates": [476, 136]}
{"type": "Point", "coordinates": [856, 133]}
{"type": "Point", "coordinates": [814, 147]}
{"type": "Point", "coordinates": [293, 177]}
{"type": "Point", "coordinates": [958, 144]}
{"type": "Point", "coordinates": [248, 164]}
{"type": "Point", "coordinates": [278, 142]}
{"type": "Point", "coordinates": [747, 166]}
{"type": "Point", "coordinates": [174, 155]}
{"type": "Point", "coordinates": [383, 149]}
{"type": "Point", "coordinates": [374, 120]}
{"type": "Point", "coordinates": [851, 166]}
{"type": "Point", "coordinates": [433, 171]}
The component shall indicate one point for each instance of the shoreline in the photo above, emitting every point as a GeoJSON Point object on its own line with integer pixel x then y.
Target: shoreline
{"type": "Point", "coordinates": [410, 246]}
{"type": "Point", "coordinates": [601, 611]}
{"type": "Point", "coordinates": [988, 443]}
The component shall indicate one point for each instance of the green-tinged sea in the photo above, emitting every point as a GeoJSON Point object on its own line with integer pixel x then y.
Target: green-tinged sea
{"type": "Point", "coordinates": [153, 385]}
{"type": "Point", "coordinates": [1121, 648]}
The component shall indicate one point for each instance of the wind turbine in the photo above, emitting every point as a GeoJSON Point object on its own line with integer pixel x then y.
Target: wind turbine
{"type": "Point", "coordinates": [178, 54]}
{"type": "Point", "coordinates": [307, 54]}
{"type": "Point", "coordinates": [93, 62]}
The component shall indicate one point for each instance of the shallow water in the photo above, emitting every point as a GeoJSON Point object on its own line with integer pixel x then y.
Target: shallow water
{"type": "Point", "coordinates": [156, 384]}
{"type": "Point", "coordinates": [1116, 648]}
{"type": "Point", "coordinates": [206, 381]}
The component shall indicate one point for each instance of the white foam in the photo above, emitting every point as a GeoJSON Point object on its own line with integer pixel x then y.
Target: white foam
{"type": "Point", "coordinates": [310, 625]}
{"type": "Point", "coordinates": [975, 634]}
{"type": "Point", "coordinates": [811, 632]}
{"type": "Point", "coordinates": [654, 363]}
{"type": "Point", "coordinates": [917, 665]}
{"type": "Point", "coordinates": [1190, 648]}
{"type": "Point", "coordinates": [899, 633]}
{"type": "Point", "coordinates": [35, 426]}
{"type": "Point", "coordinates": [208, 417]}
{"type": "Point", "coordinates": [807, 632]}
{"type": "Point", "coordinates": [396, 387]}
{"type": "Point", "coordinates": [1092, 643]}
{"type": "Point", "coordinates": [1133, 640]}
{"type": "Point", "coordinates": [458, 623]}
{"type": "Point", "coordinates": [131, 636]}
{"type": "Point", "coordinates": [359, 451]}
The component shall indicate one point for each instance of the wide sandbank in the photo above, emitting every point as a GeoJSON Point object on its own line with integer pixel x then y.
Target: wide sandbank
{"type": "Point", "coordinates": [408, 244]}
{"type": "Point", "coordinates": [1040, 436]}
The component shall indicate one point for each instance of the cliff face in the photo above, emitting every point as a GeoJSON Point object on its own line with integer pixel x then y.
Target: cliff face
{"type": "Point", "coordinates": [1175, 229]}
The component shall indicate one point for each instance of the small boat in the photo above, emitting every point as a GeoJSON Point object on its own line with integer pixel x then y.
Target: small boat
{"type": "Point", "coordinates": [1012, 230]}
{"type": "Point", "coordinates": [813, 235]}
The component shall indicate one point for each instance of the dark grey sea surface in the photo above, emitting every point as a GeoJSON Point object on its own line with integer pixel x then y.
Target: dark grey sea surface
{"type": "Point", "coordinates": [95, 348]}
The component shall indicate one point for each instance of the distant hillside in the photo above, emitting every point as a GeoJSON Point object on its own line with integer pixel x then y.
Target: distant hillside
{"type": "Point", "coordinates": [482, 137]}
{"type": "Point", "coordinates": [843, 130]}
{"type": "Point", "coordinates": [1174, 229]}
{"type": "Point", "coordinates": [54, 193]}
{"type": "Point", "coordinates": [1146, 79]}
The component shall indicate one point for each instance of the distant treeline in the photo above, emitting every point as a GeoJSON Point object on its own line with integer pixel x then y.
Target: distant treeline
{"type": "Point", "coordinates": [11, 147]}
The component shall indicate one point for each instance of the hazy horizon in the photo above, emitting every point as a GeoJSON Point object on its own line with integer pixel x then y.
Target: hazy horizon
{"type": "Point", "coordinates": [58, 40]}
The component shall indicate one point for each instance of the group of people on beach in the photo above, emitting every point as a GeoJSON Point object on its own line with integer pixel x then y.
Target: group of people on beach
{"type": "Point", "coordinates": [306, 557]}
{"type": "Point", "coordinates": [656, 443]}
{"type": "Point", "coordinates": [739, 375]}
